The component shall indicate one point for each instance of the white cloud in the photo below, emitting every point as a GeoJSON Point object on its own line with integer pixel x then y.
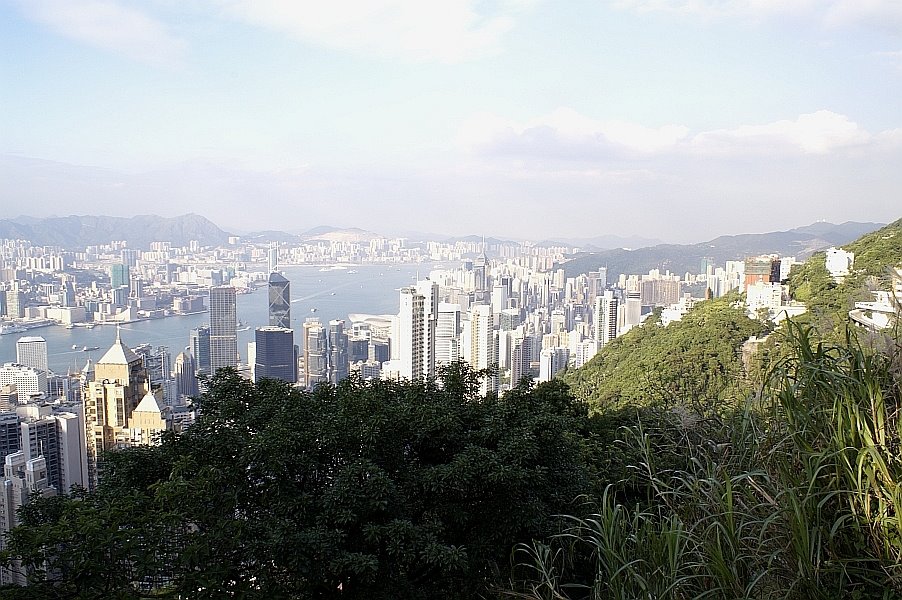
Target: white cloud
{"type": "Point", "coordinates": [108, 25]}
{"type": "Point", "coordinates": [821, 132]}
{"type": "Point", "coordinates": [568, 135]}
{"type": "Point", "coordinates": [448, 31]}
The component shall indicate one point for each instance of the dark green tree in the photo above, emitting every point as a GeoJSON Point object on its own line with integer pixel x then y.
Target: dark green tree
{"type": "Point", "coordinates": [379, 489]}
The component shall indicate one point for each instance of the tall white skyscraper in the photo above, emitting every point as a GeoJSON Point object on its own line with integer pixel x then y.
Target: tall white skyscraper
{"type": "Point", "coordinates": [483, 344]}
{"type": "Point", "coordinates": [31, 351]}
{"type": "Point", "coordinates": [429, 291]}
{"type": "Point", "coordinates": [411, 334]}
{"type": "Point", "coordinates": [605, 318]}
{"type": "Point", "coordinates": [223, 328]}
{"type": "Point", "coordinates": [447, 334]}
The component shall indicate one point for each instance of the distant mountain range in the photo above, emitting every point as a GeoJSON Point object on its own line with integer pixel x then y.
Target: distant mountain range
{"type": "Point", "coordinates": [801, 242]}
{"type": "Point", "coordinates": [76, 232]}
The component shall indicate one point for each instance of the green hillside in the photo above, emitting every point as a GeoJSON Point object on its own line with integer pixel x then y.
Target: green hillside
{"type": "Point", "coordinates": [829, 302]}
{"type": "Point", "coordinates": [696, 360]}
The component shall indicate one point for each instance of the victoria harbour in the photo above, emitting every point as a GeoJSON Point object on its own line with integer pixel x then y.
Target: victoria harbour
{"type": "Point", "coordinates": [330, 293]}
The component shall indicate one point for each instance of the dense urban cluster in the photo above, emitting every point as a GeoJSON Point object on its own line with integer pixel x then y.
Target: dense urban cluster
{"type": "Point", "coordinates": [510, 316]}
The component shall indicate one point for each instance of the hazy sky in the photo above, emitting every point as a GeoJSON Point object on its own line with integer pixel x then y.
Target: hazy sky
{"type": "Point", "coordinates": [675, 119]}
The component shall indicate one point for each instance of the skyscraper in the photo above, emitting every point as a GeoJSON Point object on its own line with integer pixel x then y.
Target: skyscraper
{"type": "Point", "coordinates": [279, 301]}
{"type": "Point", "coordinates": [447, 334]}
{"type": "Point", "coordinates": [15, 302]}
{"type": "Point", "coordinates": [338, 351]}
{"type": "Point", "coordinates": [275, 357]}
{"type": "Point", "coordinates": [31, 351]}
{"type": "Point", "coordinates": [199, 342]}
{"type": "Point", "coordinates": [411, 335]}
{"type": "Point", "coordinates": [273, 257]}
{"type": "Point", "coordinates": [605, 318]}
{"type": "Point", "coordinates": [480, 272]}
{"type": "Point", "coordinates": [484, 345]}
{"type": "Point", "coordinates": [429, 291]}
{"type": "Point", "coordinates": [185, 370]}
{"type": "Point", "coordinates": [120, 382]}
{"type": "Point", "coordinates": [119, 276]}
{"type": "Point", "coordinates": [316, 357]}
{"type": "Point", "coordinates": [223, 328]}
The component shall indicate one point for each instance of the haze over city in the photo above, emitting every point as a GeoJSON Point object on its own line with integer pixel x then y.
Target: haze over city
{"type": "Point", "coordinates": [674, 120]}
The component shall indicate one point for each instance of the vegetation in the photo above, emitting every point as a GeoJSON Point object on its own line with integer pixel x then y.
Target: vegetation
{"type": "Point", "coordinates": [674, 466]}
{"type": "Point", "coordinates": [697, 361]}
{"type": "Point", "coordinates": [829, 302]}
{"type": "Point", "coordinates": [377, 489]}
{"type": "Point", "coordinates": [795, 496]}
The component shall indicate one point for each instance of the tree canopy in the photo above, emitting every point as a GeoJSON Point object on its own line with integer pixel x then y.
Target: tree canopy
{"type": "Point", "coordinates": [695, 360]}
{"type": "Point", "coordinates": [378, 489]}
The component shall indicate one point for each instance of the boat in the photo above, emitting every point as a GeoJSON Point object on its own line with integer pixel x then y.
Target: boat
{"type": "Point", "coordinates": [313, 310]}
{"type": "Point", "coordinates": [90, 325]}
{"type": "Point", "coordinates": [352, 271]}
{"type": "Point", "coordinates": [70, 326]}
{"type": "Point", "coordinates": [6, 328]}
{"type": "Point", "coordinates": [332, 293]}
{"type": "Point", "coordinates": [245, 328]}
{"type": "Point", "coordinates": [89, 348]}
{"type": "Point", "coordinates": [75, 346]}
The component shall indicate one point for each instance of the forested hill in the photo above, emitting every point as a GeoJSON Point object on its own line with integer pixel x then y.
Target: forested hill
{"type": "Point", "coordinates": [828, 301]}
{"type": "Point", "coordinates": [695, 360]}
{"type": "Point", "coordinates": [77, 231]}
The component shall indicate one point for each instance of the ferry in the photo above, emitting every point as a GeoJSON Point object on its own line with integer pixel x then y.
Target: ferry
{"type": "Point", "coordinates": [6, 328]}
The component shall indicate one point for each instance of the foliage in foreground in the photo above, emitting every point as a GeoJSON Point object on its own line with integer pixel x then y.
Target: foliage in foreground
{"type": "Point", "coordinates": [797, 496]}
{"type": "Point", "coordinates": [365, 490]}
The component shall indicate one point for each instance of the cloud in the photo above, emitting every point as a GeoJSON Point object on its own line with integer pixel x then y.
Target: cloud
{"type": "Point", "coordinates": [882, 14]}
{"type": "Point", "coordinates": [108, 25]}
{"type": "Point", "coordinates": [567, 135]}
{"type": "Point", "coordinates": [449, 31]}
{"type": "Point", "coordinates": [821, 132]}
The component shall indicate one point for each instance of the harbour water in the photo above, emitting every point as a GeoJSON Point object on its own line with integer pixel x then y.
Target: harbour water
{"type": "Point", "coordinates": [334, 294]}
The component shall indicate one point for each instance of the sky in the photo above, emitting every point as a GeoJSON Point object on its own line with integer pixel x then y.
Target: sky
{"type": "Point", "coordinates": [678, 120]}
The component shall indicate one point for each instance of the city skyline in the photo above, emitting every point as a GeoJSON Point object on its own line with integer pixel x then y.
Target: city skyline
{"type": "Point", "coordinates": [666, 119]}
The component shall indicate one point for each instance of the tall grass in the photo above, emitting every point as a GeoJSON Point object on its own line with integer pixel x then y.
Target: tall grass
{"type": "Point", "coordinates": [794, 495]}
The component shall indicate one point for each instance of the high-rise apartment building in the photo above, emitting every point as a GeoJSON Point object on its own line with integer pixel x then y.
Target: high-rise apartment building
{"type": "Point", "coordinates": [606, 307]}
{"type": "Point", "coordinates": [275, 355]}
{"type": "Point", "coordinates": [279, 301]}
{"type": "Point", "coordinates": [31, 351]}
{"type": "Point", "coordinates": [28, 380]}
{"type": "Point", "coordinates": [521, 357]}
{"type": "Point", "coordinates": [410, 335]}
{"type": "Point", "coordinates": [429, 291]}
{"type": "Point", "coordinates": [484, 345]}
{"type": "Point", "coordinates": [223, 328]}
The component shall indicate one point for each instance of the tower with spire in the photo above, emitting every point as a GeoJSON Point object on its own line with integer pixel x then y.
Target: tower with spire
{"type": "Point", "coordinates": [112, 395]}
{"type": "Point", "coordinates": [480, 272]}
